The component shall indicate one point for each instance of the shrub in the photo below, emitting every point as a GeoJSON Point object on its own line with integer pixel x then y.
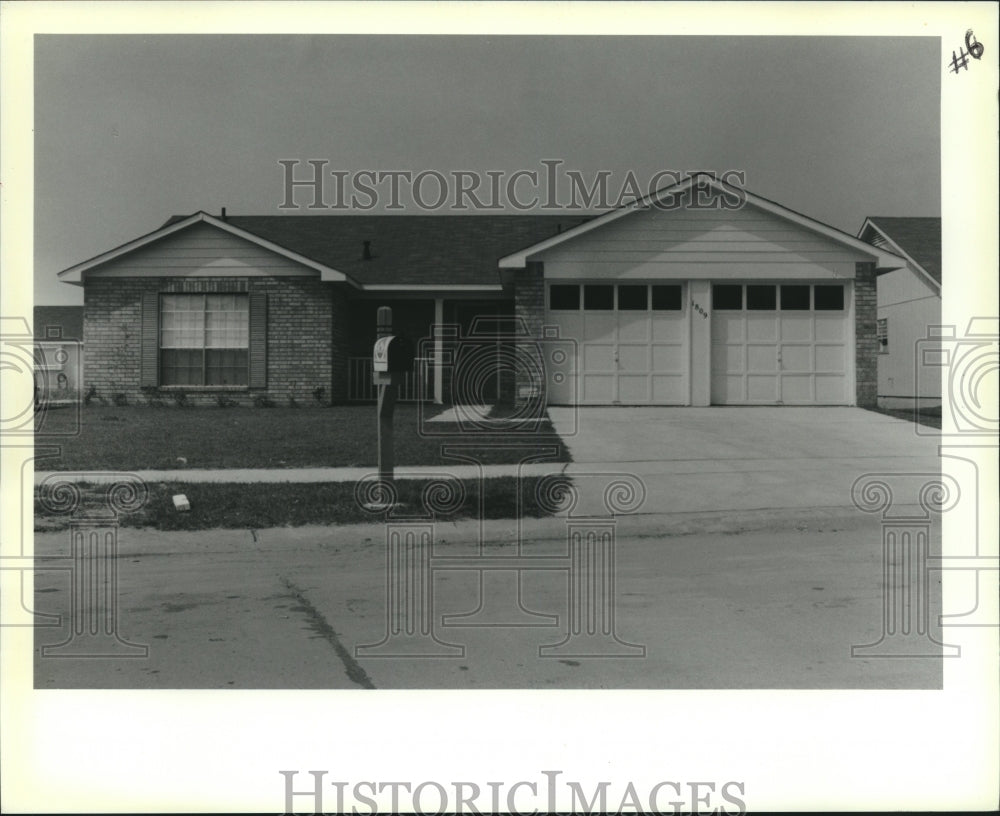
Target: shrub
{"type": "Point", "coordinates": [263, 401]}
{"type": "Point", "coordinates": [152, 395]}
{"type": "Point", "coordinates": [224, 401]}
{"type": "Point", "coordinates": [120, 399]}
{"type": "Point", "coordinates": [318, 393]}
{"type": "Point", "coordinates": [181, 399]}
{"type": "Point", "coordinates": [91, 395]}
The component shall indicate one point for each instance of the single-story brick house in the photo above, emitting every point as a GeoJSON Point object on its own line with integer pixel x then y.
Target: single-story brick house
{"type": "Point", "coordinates": [701, 295]}
{"type": "Point", "coordinates": [909, 309]}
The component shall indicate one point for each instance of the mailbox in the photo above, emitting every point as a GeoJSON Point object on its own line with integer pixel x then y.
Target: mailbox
{"type": "Point", "coordinates": [392, 354]}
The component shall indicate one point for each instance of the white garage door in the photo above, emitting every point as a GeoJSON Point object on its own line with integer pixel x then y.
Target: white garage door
{"type": "Point", "coordinates": [630, 344]}
{"type": "Point", "coordinates": [780, 344]}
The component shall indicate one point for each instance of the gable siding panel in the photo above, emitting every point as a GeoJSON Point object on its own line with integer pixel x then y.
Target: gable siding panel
{"type": "Point", "coordinates": [201, 250]}
{"type": "Point", "coordinates": [700, 243]}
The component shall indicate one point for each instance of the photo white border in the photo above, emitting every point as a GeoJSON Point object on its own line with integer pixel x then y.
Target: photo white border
{"type": "Point", "coordinates": [140, 751]}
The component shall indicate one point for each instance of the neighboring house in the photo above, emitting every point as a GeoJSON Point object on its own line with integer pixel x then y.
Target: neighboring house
{"type": "Point", "coordinates": [677, 302]}
{"type": "Point", "coordinates": [58, 332]}
{"type": "Point", "coordinates": [909, 310]}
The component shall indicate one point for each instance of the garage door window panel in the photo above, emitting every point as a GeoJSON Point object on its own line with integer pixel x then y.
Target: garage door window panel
{"type": "Point", "coordinates": [829, 298]}
{"type": "Point", "coordinates": [666, 298]}
{"type": "Point", "coordinates": [761, 298]}
{"type": "Point", "coordinates": [795, 298]}
{"type": "Point", "coordinates": [564, 298]}
{"type": "Point", "coordinates": [727, 296]}
{"type": "Point", "coordinates": [599, 297]}
{"type": "Point", "coordinates": [633, 298]}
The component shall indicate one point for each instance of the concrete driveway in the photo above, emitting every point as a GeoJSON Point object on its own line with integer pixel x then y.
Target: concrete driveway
{"type": "Point", "coordinates": [746, 458]}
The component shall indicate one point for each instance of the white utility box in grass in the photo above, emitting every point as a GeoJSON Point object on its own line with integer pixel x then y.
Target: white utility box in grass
{"type": "Point", "coordinates": [181, 502]}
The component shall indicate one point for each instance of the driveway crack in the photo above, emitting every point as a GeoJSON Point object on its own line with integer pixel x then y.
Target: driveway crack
{"type": "Point", "coordinates": [352, 668]}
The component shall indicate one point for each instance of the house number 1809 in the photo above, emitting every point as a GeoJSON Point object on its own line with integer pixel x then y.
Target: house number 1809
{"type": "Point", "coordinates": [698, 309]}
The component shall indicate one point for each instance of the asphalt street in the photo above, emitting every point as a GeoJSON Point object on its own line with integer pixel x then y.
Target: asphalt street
{"type": "Point", "coordinates": [716, 601]}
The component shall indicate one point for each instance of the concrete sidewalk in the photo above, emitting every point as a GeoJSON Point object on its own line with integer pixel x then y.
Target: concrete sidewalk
{"type": "Point", "coordinates": [646, 461]}
{"type": "Point", "coordinates": [304, 475]}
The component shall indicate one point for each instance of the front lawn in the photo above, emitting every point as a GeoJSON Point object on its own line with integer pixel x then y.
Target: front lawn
{"type": "Point", "coordinates": [259, 506]}
{"type": "Point", "coordinates": [168, 438]}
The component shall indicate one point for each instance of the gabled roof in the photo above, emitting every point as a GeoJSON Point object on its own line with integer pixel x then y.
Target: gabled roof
{"type": "Point", "coordinates": [916, 239]}
{"type": "Point", "coordinates": [883, 259]}
{"type": "Point", "coordinates": [409, 250]}
{"type": "Point", "coordinates": [68, 319]}
{"type": "Point", "coordinates": [75, 273]}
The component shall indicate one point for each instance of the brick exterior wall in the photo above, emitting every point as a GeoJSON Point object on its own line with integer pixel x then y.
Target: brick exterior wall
{"type": "Point", "coordinates": [865, 341]}
{"type": "Point", "coordinates": [529, 306]}
{"type": "Point", "coordinates": [306, 338]}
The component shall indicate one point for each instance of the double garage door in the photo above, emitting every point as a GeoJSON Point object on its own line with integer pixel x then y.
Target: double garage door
{"type": "Point", "coordinates": [770, 344]}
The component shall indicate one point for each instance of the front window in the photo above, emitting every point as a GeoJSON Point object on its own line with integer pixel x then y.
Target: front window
{"type": "Point", "coordinates": [204, 339]}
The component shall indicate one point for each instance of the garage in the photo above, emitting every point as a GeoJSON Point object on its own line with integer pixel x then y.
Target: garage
{"type": "Point", "coordinates": [780, 344]}
{"type": "Point", "coordinates": [630, 343]}
{"type": "Point", "coordinates": [702, 294]}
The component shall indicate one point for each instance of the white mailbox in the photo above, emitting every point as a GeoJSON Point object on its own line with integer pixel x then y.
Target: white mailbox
{"type": "Point", "coordinates": [380, 358]}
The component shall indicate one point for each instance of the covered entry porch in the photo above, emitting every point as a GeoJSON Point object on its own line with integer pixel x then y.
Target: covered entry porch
{"type": "Point", "coordinates": [460, 348]}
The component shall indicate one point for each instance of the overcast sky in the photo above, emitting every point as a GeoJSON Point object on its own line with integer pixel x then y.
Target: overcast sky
{"type": "Point", "coordinates": [130, 130]}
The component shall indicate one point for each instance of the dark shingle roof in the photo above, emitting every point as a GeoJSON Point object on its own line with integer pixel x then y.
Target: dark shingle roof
{"type": "Point", "coordinates": [920, 238]}
{"type": "Point", "coordinates": [69, 319]}
{"type": "Point", "coordinates": [408, 249]}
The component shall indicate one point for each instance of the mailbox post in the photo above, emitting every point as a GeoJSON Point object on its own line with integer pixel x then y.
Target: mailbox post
{"type": "Point", "coordinates": [387, 383]}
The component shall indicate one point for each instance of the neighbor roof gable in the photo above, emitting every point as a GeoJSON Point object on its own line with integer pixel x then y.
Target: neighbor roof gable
{"type": "Point", "coordinates": [918, 240]}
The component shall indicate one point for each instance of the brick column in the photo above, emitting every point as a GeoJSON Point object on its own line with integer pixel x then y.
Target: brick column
{"type": "Point", "coordinates": [865, 341]}
{"type": "Point", "coordinates": [529, 308]}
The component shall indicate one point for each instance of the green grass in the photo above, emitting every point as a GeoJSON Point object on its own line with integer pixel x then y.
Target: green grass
{"type": "Point", "coordinates": [259, 506]}
{"type": "Point", "coordinates": [153, 438]}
